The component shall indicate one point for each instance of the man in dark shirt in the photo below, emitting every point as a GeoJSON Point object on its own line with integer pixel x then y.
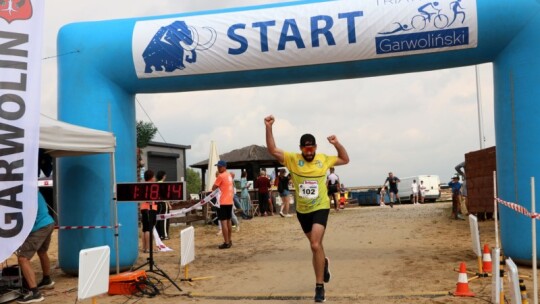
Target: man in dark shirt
{"type": "Point", "coordinates": [262, 183]}
{"type": "Point", "coordinates": [392, 182]}
{"type": "Point", "coordinates": [455, 185]}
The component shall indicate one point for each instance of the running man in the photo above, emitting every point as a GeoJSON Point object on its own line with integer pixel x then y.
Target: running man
{"type": "Point", "coordinates": [308, 172]}
{"type": "Point", "coordinates": [392, 182]}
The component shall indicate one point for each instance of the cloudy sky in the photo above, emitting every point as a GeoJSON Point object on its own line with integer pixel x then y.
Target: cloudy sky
{"type": "Point", "coordinates": [411, 124]}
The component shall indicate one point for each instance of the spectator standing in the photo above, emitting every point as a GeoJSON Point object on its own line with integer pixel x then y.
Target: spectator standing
{"type": "Point", "coordinates": [244, 194]}
{"type": "Point", "coordinates": [423, 190]}
{"type": "Point", "coordinates": [224, 182]}
{"type": "Point", "coordinates": [162, 226]}
{"type": "Point", "coordinates": [282, 182]}
{"type": "Point", "coordinates": [38, 241]}
{"type": "Point", "coordinates": [332, 184]}
{"type": "Point", "coordinates": [263, 189]}
{"type": "Point", "coordinates": [234, 218]}
{"type": "Point", "coordinates": [392, 182]}
{"type": "Point", "coordinates": [342, 199]}
{"type": "Point", "coordinates": [148, 214]}
{"type": "Point", "coordinates": [236, 205]}
{"type": "Point", "coordinates": [414, 190]}
{"type": "Point", "coordinates": [382, 193]}
{"type": "Point", "coordinates": [455, 185]}
{"type": "Point", "coordinates": [460, 169]}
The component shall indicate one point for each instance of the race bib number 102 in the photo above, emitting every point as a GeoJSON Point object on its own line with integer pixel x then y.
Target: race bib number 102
{"type": "Point", "coordinates": [309, 189]}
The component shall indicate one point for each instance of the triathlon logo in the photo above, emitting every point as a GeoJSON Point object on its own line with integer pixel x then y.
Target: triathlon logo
{"type": "Point", "coordinates": [175, 45]}
{"type": "Point", "coordinates": [11, 10]}
{"type": "Point", "coordinates": [434, 25]}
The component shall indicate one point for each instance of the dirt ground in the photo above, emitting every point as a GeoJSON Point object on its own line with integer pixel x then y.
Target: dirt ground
{"type": "Point", "coordinates": [408, 254]}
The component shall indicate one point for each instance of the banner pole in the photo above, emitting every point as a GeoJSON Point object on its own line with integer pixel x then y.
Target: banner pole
{"type": "Point", "coordinates": [533, 227]}
{"type": "Point", "coordinates": [495, 209]}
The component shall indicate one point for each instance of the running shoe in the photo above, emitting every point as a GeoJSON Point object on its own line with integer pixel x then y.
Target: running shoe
{"type": "Point", "coordinates": [31, 297]}
{"type": "Point", "coordinates": [327, 274]}
{"type": "Point", "coordinates": [46, 283]}
{"type": "Point", "coordinates": [224, 246]}
{"type": "Point", "coordinates": [319, 294]}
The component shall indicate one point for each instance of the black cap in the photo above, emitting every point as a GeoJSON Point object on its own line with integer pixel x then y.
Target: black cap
{"type": "Point", "coordinates": [307, 140]}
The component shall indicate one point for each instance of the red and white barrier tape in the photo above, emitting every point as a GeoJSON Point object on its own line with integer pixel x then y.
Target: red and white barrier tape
{"type": "Point", "coordinates": [175, 213]}
{"type": "Point", "coordinates": [183, 211]}
{"type": "Point", "coordinates": [518, 208]}
{"type": "Point", "coordinates": [85, 227]}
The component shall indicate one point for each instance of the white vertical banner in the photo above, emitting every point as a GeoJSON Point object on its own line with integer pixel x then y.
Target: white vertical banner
{"type": "Point", "coordinates": [213, 158]}
{"type": "Point", "coordinates": [21, 26]}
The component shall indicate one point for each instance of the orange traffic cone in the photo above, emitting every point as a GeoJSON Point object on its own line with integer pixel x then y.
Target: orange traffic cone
{"type": "Point", "coordinates": [486, 260]}
{"type": "Point", "coordinates": [462, 288]}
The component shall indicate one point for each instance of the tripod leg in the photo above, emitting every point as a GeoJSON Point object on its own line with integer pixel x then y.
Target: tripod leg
{"type": "Point", "coordinates": [150, 259]}
{"type": "Point", "coordinates": [163, 274]}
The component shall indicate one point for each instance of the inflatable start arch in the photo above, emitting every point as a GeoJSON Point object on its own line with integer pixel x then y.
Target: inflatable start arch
{"type": "Point", "coordinates": [111, 61]}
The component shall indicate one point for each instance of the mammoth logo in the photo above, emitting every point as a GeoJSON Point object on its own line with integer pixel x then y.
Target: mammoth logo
{"type": "Point", "coordinates": [174, 43]}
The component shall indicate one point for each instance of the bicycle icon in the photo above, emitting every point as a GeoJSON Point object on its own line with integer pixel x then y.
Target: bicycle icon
{"type": "Point", "coordinates": [420, 21]}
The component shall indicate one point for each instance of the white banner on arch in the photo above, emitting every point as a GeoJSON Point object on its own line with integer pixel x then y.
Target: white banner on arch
{"type": "Point", "coordinates": [303, 34]}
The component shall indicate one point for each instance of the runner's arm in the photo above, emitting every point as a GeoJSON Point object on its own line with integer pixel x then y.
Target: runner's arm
{"type": "Point", "coordinates": [270, 142]}
{"type": "Point", "coordinates": [342, 157]}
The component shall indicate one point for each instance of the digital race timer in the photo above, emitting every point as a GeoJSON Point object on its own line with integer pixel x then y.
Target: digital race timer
{"type": "Point", "coordinates": [164, 191]}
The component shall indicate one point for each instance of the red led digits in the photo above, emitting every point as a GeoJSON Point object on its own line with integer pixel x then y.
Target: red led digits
{"type": "Point", "coordinates": [154, 192]}
{"type": "Point", "coordinates": [136, 192]}
{"type": "Point", "coordinates": [166, 191]}
{"type": "Point", "coordinates": [174, 191]}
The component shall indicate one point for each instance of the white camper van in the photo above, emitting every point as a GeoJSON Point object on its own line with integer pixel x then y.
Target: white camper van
{"type": "Point", "coordinates": [431, 182]}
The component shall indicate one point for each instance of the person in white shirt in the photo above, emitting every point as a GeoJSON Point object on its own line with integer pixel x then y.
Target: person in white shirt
{"type": "Point", "coordinates": [423, 190]}
{"type": "Point", "coordinates": [414, 190]}
{"type": "Point", "coordinates": [333, 186]}
{"type": "Point", "coordinates": [382, 193]}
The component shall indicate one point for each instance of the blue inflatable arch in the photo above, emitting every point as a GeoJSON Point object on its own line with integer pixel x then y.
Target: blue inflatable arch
{"type": "Point", "coordinates": [108, 62]}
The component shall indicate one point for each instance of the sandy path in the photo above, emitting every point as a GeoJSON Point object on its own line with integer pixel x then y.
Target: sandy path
{"type": "Point", "coordinates": [378, 255]}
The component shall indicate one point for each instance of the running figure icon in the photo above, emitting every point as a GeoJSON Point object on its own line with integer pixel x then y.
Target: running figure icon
{"type": "Point", "coordinates": [455, 6]}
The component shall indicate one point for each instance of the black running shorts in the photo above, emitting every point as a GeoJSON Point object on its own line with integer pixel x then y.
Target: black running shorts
{"type": "Point", "coordinates": [316, 217]}
{"type": "Point", "coordinates": [224, 212]}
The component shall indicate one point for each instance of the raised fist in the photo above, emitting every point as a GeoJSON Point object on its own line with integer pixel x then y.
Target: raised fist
{"type": "Point", "coordinates": [332, 139]}
{"type": "Point", "coordinates": [269, 120]}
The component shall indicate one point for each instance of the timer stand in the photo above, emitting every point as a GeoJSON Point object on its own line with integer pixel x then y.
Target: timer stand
{"type": "Point", "coordinates": [152, 267]}
{"type": "Point", "coordinates": [151, 191]}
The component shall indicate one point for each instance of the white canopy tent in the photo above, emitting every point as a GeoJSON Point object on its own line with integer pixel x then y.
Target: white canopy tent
{"type": "Point", "coordinates": [59, 138]}
{"type": "Point", "coordinates": [63, 139]}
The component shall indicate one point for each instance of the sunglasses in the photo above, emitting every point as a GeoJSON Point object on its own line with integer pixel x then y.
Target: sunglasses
{"type": "Point", "coordinates": [308, 149]}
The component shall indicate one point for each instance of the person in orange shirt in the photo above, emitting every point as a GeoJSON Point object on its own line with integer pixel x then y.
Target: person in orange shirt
{"type": "Point", "coordinates": [148, 214]}
{"type": "Point", "coordinates": [224, 182]}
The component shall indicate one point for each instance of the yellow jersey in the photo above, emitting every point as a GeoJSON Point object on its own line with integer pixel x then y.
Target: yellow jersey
{"type": "Point", "coordinates": [309, 180]}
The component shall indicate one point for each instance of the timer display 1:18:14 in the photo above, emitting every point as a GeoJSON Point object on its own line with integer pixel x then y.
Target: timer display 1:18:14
{"type": "Point", "coordinates": [163, 191]}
